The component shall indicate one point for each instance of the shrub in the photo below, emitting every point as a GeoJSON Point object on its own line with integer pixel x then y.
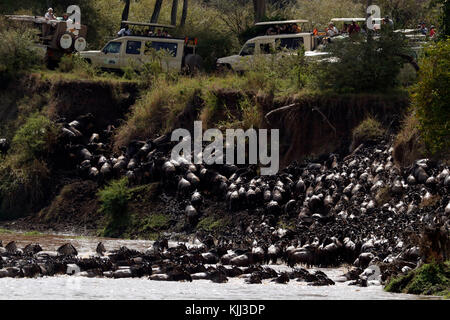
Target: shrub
{"type": "Point", "coordinates": [73, 63]}
{"type": "Point", "coordinates": [35, 139]}
{"type": "Point", "coordinates": [430, 98]}
{"type": "Point", "coordinates": [158, 110]}
{"type": "Point", "coordinates": [18, 53]}
{"type": "Point", "coordinates": [368, 131]}
{"type": "Point", "coordinates": [429, 279]}
{"type": "Point", "coordinates": [408, 145]}
{"type": "Point", "coordinates": [23, 187]}
{"type": "Point", "coordinates": [25, 172]}
{"type": "Point", "coordinates": [364, 63]}
{"type": "Point", "coordinates": [114, 199]}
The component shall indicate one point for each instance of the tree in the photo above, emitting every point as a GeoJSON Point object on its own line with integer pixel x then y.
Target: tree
{"type": "Point", "coordinates": [126, 11]}
{"type": "Point", "coordinates": [173, 15]}
{"type": "Point", "coordinates": [156, 11]}
{"type": "Point", "coordinates": [259, 7]}
{"type": "Point", "coordinates": [184, 13]}
{"type": "Point", "coordinates": [237, 15]}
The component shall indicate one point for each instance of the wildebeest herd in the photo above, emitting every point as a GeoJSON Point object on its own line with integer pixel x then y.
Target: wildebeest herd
{"type": "Point", "coordinates": [360, 210]}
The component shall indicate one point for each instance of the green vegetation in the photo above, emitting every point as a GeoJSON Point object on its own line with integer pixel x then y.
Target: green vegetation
{"type": "Point", "coordinates": [431, 96]}
{"type": "Point", "coordinates": [370, 130]}
{"type": "Point", "coordinates": [5, 231]}
{"type": "Point", "coordinates": [429, 279]}
{"type": "Point", "coordinates": [25, 171]}
{"type": "Point", "coordinates": [114, 200]}
{"type": "Point", "coordinates": [155, 222]}
{"type": "Point", "coordinates": [364, 63]}
{"type": "Point", "coordinates": [35, 139]}
{"type": "Point", "coordinates": [213, 224]}
{"type": "Point", "coordinates": [17, 55]}
{"type": "Point", "coordinates": [33, 234]}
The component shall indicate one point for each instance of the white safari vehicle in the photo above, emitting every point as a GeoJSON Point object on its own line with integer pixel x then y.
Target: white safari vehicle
{"type": "Point", "coordinates": [56, 37]}
{"type": "Point", "coordinates": [136, 49]}
{"type": "Point", "coordinates": [271, 43]}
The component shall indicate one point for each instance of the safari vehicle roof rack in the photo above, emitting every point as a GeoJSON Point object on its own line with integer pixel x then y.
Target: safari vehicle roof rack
{"type": "Point", "coordinates": [34, 19]}
{"type": "Point", "coordinates": [144, 24]}
{"type": "Point", "coordinates": [348, 19]}
{"type": "Point", "coordinates": [268, 23]}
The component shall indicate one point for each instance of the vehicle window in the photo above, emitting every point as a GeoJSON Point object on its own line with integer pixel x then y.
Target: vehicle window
{"type": "Point", "coordinates": [113, 47]}
{"type": "Point", "coordinates": [248, 49]}
{"type": "Point", "coordinates": [289, 43]}
{"type": "Point", "coordinates": [133, 47]}
{"type": "Point", "coordinates": [172, 48]}
{"type": "Point", "coordinates": [265, 48]}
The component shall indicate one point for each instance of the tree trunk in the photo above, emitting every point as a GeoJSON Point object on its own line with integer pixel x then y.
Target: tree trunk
{"type": "Point", "coordinates": [259, 7]}
{"type": "Point", "coordinates": [184, 13]}
{"type": "Point", "coordinates": [156, 11]}
{"type": "Point", "coordinates": [126, 11]}
{"type": "Point", "coordinates": [173, 15]}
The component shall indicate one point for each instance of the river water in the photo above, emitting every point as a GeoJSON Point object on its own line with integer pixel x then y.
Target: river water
{"type": "Point", "coordinates": [81, 288]}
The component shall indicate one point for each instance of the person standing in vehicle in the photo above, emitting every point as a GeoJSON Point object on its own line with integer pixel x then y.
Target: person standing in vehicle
{"type": "Point", "coordinates": [423, 28]}
{"type": "Point", "coordinates": [125, 31]}
{"type": "Point", "coordinates": [354, 28]}
{"type": "Point", "coordinates": [332, 30]}
{"type": "Point", "coordinates": [432, 31]}
{"type": "Point", "coordinates": [49, 15]}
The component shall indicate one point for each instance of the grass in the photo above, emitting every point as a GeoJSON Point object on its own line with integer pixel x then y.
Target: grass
{"type": "Point", "coordinates": [5, 231]}
{"type": "Point", "coordinates": [155, 222]}
{"type": "Point", "coordinates": [383, 196]}
{"type": "Point", "coordinates": [213, 224]}
{"type": "Point", "coordinates": [33, 233]}
{"type": "Point", "coordinates": [370, 130]}
{"type": "Point", "coordinates": [408, 144]}
{"type": "Point", "coordinates": [429, 279]}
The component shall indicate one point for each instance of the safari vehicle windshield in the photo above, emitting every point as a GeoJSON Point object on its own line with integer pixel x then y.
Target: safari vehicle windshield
{"type": "Point", "coordinates": [112, 47]}
{"type": "Point", "coordinates": [248, 49]}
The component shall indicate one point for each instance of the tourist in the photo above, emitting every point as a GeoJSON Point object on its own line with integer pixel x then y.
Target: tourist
{"type": "Point", "coordinates": [125, 31]}
{"type": "Point", "coordinates": [354, 28]}
{"type": "Point", "coordinates": [423, 29]}
{"type": "Point", "coordinates": [332, 30]}
{"type": "Point", "coordinates": [432, 31]}
{"type": "Point", "coordinates": [49, 15]}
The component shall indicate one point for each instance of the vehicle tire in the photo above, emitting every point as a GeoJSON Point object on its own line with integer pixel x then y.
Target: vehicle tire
{"type": "Point", "coordinates": [65, 41]}
{"type": "Point", "coordinates": [79, 44]}
{"type": "Point", "coordinates": [223, 68]}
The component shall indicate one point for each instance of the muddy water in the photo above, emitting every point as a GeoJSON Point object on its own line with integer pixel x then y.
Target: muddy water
{"type": "Point", "coordinates": [73, 287]}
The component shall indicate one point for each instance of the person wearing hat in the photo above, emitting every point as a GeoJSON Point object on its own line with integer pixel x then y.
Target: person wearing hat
{"type": "Point", "coordinates": [432, 31]}
{"type": "Point", "coordinates": [332, 30]}
{"type": "Point", "coordinates": [49, 15]}
{"type": "Point", "coordinates": [125, 31]}
{"type": "Point", "coordinates": [423, 28]}
{"type": "Point", "coordinates": [386, 20]}
{"type": "Point", "coordinates": [353, 28]}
